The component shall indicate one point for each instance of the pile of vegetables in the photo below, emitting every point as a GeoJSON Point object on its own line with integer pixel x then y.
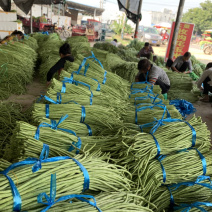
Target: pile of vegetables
{"type": "Point", "coordinates": [124, 139]}
{"type": "Point", "coordinates": [10, 113]}
{"type": "Point", "coordinates": [16, 72]}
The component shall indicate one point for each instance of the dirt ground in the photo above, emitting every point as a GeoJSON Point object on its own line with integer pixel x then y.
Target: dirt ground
{"type": "Point", "coordinates": [194, 49]}
{"type": "Point", "coordinates": [34, 90]}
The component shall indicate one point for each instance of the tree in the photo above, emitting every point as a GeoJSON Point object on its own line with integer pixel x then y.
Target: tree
{"type": "Point", "coordinates": [200, 16]}
{"type": "Point", "coordinates": [119, 24]}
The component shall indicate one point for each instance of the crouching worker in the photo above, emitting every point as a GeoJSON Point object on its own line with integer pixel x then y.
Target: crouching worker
{"type": "Point", "coordinates": [206, 80]}
{"type": "Point", "coordinates": [65, 54]}
{"type": "Point", "coordinates": [181, 64]}
{"type": "Point", "coordinates": [152, 74]}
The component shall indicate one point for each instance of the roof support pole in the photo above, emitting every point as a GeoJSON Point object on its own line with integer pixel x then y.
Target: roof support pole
{"type": "Point", "coordinates": [125, 20]}
{"type": "Point", "coordinates": [31, 28]}
{"type": "Point", "coordinates": [138, 20]}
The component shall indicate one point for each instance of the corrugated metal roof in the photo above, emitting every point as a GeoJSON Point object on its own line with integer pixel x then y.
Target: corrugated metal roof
{"type": "Point", "coordinates": [85, 9]}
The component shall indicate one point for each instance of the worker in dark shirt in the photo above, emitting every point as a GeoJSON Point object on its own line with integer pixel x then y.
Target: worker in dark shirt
{"type": "Point", "coordinates": [146, 51]}
{"type": "Point", "coordinates": [65, 54]}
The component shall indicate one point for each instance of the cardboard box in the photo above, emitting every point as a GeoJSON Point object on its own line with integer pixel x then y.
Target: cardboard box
{"type": "Point", "coordinates": [10, 26]}
{"type": "Point", "coordinates": [7, 16]}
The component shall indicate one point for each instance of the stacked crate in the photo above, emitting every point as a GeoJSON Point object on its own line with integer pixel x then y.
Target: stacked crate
{"type": "Point", "coordinates": [8, 23]}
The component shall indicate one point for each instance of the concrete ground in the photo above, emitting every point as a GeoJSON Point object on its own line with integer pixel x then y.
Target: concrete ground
{"type": "Point", "coordinates": [204, 109]}
{"type": "Point", "coordinates": [194, 49]}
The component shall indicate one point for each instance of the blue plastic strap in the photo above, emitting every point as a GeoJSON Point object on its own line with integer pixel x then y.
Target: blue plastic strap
{"type": "Point", "coordinates": [92, 57]}
{"type": "Point", "coordinates": [183, 106]}
{"type": "Point", "coordinates": [86, 69]}
{"type": "Point", "coordinates": [136, 83]}
{"type": "Point", "coordinates": [47, 110]}
{"type": "Point", "coordinates": [188, 207]}
{"type": "Point", "coordinates": [83, 114]}
{"type": "Point", "coordinates": [59, 99]}
{"type": "Point", "coordinates": [105, 78]}
{"type": "Point", "coordinates": [37, 166]}
{"type": "Point", "coordinates": [54, 125]}
{"type": "Point", "coordinates": [157, 123]}
{"type": "Point", "coordinates": [203, 160]}
{"type": "Point", "coordinates": [50, 200]}
{"type": "Point", "coordinates": [198, 181]}
{"type": "Point", "coordinates": [63, 90]}
{"type": "Point", "coordinates": [152, 99]}
{"type": "Point", "coordinates": [171, 197]}
{"type": "Point", "coordinates": [77, 144]}
{"type": "Point", "coordinates": [89, 129]}
{"type": "Point", "coordinates": [160, 159]}
{"type": "Point", "coordinates": [137, 90]}
{"type": "Point", "coordinates": [174, 187]}
{"type": "Point", "coordinates": [150, 106]}
{"type": "Point", "coordinates": [98, 87]}
{"type": "Point", "coordinates": [157, 145]}
{"type": "Point", "coordinates": [16, 195]}
{"type": "Point", "coordinates": [204, 164]}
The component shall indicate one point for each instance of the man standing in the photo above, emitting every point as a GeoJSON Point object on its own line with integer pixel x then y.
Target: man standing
{"type": "Point", "coordinates": [153, 74]}
{"type": "Point", "coordinates": [181, 64]}
{"type": "Point", "coordinates": [146, 51]}
{"type": "Point", "coordinates": [43, 18]}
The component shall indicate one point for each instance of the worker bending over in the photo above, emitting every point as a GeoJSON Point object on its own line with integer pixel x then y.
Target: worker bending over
{"type": "Point", "coordinates": [65, 55]}
{"type": "Point", "coordinates": [153, 74]}
{"type": "Point", "coordinates": [146, 51]}
{"type": "Point", "coordinates": [15, 36]}
{"type": "Point", "coordinates": [206, 80]}
{"type": "Point", "coordinates": [181, 64]}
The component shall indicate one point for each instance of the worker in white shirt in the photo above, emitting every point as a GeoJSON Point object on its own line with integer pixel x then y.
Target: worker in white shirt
{"type": "Point", "coordinates": [181, 64]}
{"type": "Point", "coordinates": [114, 42]}
{"type": "Point", "coordinates": [206, 80]}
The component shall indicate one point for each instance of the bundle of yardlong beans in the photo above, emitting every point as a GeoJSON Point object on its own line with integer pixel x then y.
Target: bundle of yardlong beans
{"type": "Point", "coordinates": [107, 202]}
{"type": "Point", "coordinates": [81, 129]}
{"type": "Point", "coordinates": [64, 140]}
{"type": "Point", "coordinates": [105, 117]}
{"type": "Point", "coordinates": [100, 99]}
{"type": "Point", "coordinates": [140, 148]}
{"type": "Point", "coordinates": [149, 114]}
{"type": "Point", "coordinates": [10, 113]}
{"type": "Point", "coordinates": [97, 86]}
{"type": "Point", "coordinates": [182, 193]}
{"type": "Point", "coordinates": [103, 177]}
{"type": "Point", "coordinates": [181, 167]}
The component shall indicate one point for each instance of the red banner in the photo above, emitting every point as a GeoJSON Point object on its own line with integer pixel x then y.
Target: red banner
{"type": "Point", "coordinates": [183, 40]}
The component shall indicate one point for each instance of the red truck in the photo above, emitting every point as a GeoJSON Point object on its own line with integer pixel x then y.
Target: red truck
{"type": "Point", "coordinates": [92, 29]}
{"type": "Point", "coordinates": [36, 24]}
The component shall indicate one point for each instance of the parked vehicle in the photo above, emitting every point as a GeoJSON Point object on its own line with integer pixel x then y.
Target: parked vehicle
{"type": "Point", "coordinates": [149, 34]}
{"type": "Point", "coordinates": [91, 28]}
{"type": "Point", "coordinates": [110, 33]}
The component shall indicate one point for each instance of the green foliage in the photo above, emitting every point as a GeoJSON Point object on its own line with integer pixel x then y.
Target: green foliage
{"type": "Point", "coordinates": [136, 44]}
{"type": "Point", "coordinates": [106, 46]}
{"type": "Point", "coordinates": [200, 16]}
{"type": "Point", "coordinates": [118, 25]}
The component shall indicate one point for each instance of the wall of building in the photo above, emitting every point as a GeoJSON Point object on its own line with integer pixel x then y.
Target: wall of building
{"type": "Point", "coordinates": [36, 10]}
{"type": "Point", "coordinates": [165, 16]}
